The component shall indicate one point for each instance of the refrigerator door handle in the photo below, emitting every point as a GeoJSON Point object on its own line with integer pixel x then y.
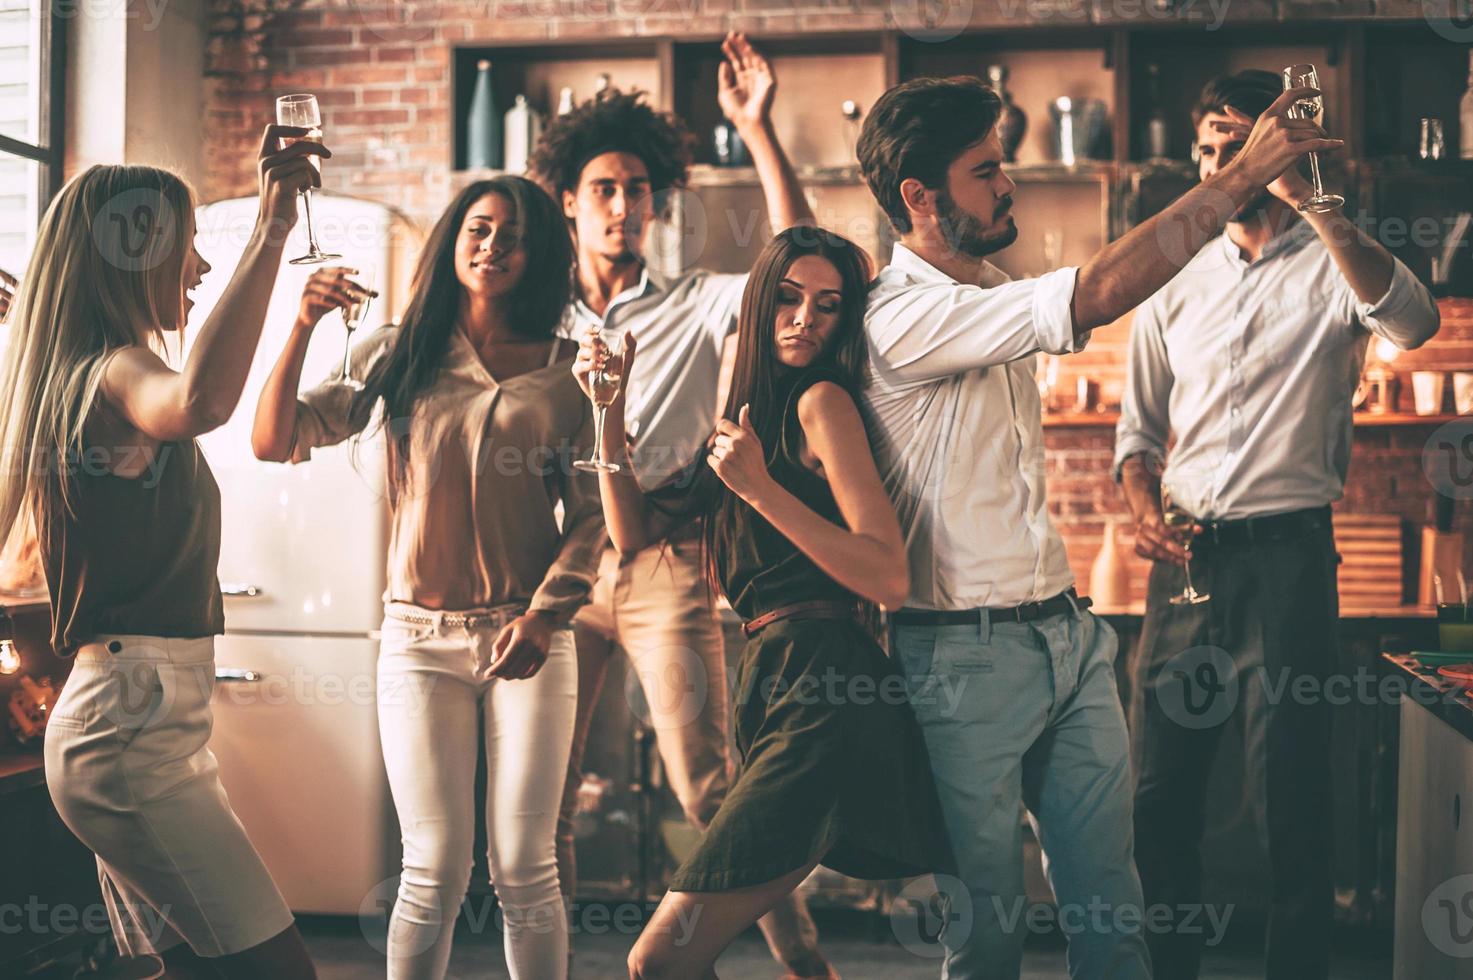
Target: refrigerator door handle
{"type": "Point", "coordinates": [240, 590]}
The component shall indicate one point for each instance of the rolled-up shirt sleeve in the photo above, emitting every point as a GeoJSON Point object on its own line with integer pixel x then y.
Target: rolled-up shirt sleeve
{"type": "Point", "coordinates": [322, 412]}
{"type": "Point", "coordinates": [569, 580]}
{"type": "Point", "coordinates": [1145, 420]}
{"type": "Point", "coordinates": [936, 329]}
{"type": "Point", "coordinates": [1407, 315]}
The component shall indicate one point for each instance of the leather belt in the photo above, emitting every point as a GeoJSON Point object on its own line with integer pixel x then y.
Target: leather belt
{"type": "Point", "coordinates": [816, 609]}
{"type": "Point", "coordinates": [1259, 530]}
{"type": "Point", "coordinates": [1064, 602]}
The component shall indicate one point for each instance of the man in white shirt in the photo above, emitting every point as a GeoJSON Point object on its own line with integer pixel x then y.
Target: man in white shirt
{"type": "Point", "coordinates": [611, 163]}
{"type": "Point", "coordinates": [1011, 678]}
{"type": "Point", "coordinates": [1250, 356]}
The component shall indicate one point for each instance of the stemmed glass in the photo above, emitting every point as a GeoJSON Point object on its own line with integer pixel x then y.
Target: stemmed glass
{"type": "Point", "coordinates": [1297, 76]}
{"type": "Point", "coordinates": [360, 287]}
{"type": "Point", "coordinates": [604, 381]}
{"type": "Point", "coordinates": [1180, 521]}
{"type": "Point", "coordinates": [302, 111]}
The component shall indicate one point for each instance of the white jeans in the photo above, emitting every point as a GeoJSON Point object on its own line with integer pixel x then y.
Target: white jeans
{"type": "Point", "coordinates": [132, 775]}
{"type": "Point", "coordinates": [430, 689]}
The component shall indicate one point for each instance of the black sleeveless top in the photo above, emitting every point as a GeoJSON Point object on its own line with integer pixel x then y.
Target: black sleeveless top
{"type": "Point", "coordinates": [139, 554]}
{"type": "Point", "coordinates": [763, 570]}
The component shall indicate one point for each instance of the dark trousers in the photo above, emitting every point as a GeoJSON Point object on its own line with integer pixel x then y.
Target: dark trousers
{"type": "Point", "coordinates": [1251, 661]}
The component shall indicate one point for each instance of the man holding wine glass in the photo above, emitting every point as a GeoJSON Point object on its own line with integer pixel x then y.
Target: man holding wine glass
{"type": "Point", "coordinates": [1249, 357]}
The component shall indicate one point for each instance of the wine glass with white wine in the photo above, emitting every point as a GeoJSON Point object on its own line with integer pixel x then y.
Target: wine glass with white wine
{"type": "Point", "coordinates": [360, 288]}
{"type": "Point", "coordinates": [1298, 76]}
{"type": "Point", "coordinates": [302, 111]}
{"type": "Point", "coordinates": [1180, 522]}
{"type": "Point", "coordinates": [604, 380]}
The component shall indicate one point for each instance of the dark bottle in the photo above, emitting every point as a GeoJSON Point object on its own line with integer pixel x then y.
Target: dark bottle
{"type": "Point", "coordinates": [1012, 123]}
{"type": "Point", "coordinates": [483, 139]}
{"type": "Point", "coordinates": [1158, 134]}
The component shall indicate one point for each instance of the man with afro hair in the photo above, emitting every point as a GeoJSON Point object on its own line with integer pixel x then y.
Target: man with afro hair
{"type": "Point", "coordinates": [614, 163]}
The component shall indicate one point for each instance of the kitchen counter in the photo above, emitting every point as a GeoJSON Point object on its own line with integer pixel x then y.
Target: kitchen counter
{"type": "Point", "coordinates": [1434, 834]}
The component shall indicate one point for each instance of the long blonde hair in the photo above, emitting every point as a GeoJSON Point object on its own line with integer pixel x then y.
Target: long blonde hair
{"type": "Point", "coordinates": [106, 273]}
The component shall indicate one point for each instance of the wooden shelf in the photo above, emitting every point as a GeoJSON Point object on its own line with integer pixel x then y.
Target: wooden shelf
{"type": "Point", "coordinates": [18, 604]}
{"type": "Point", "coordinates": [709, 175]}
{"type": "Point", "coordinates": [21, 769]}
{"type": "Point", "coordinates": [1371, 420]}
{"type": "Point", "coordinates": [1097, 420]}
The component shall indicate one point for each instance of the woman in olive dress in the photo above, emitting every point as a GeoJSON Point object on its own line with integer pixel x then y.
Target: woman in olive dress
{"type": "Point", "coordinates": [803, 541]}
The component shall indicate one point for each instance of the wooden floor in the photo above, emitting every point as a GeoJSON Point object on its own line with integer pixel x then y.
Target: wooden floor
{"type": "Point", "coordinates": [343, 951]}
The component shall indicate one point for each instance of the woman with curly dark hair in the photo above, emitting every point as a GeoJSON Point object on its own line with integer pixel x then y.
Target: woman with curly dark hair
{"type": "Point", "coordinates": [613, 163]}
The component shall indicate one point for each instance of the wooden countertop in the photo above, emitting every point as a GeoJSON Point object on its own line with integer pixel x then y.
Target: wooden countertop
{"type": "Point", "coordinates": [1138, 609]}
{"type": "Point", "coordinates": [1447, 700]}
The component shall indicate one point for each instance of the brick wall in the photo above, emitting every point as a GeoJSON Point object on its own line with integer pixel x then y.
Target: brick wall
{"type": "Point", "coordinates": [380, 70]}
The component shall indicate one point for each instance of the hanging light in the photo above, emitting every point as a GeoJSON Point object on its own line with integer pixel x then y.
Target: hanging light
{"type": "Point", "coordinates": [9, 659]}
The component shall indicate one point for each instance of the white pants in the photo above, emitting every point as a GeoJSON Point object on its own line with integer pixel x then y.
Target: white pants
{"type": "Point", "coordinates": [430, 689]}
{"type": "Point", "coordinates": [131, 774]}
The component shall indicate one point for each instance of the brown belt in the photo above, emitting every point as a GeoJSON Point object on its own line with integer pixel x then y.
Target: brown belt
{"type": "Point", "coordinates": [816, 609]}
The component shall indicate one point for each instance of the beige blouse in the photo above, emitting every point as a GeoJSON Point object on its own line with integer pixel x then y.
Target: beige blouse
{"type": "Point", "coordinates": [474, 523]}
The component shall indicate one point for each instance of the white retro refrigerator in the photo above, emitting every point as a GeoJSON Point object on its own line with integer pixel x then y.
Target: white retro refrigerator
{"type": "Point", "coordinates": [302, 568]}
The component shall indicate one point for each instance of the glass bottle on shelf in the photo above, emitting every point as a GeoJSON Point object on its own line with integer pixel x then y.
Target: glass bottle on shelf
{"type": "Point", "coordinates": [483, 141]}
{"type": "Point", "coordinates": [602, 85]}
{"type": "Point", "coordinates": [1465, 116]}
{"type": "Point", "coordinates": [1158, 135]}
{"type": "Point", "coordinates": [1012, 122]}
{"type": "Point", "coordinates": [523, 129]}
{"type": "Point", "coordinates": [565, 100]}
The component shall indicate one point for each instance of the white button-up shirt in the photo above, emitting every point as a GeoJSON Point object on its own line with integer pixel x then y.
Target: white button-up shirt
{"type": "Point", "coordinates": [958, 428]}
{"type": "Point", "coordinates": [681, 323]}
{"type": "Point", "coordinates": [1252, 366]}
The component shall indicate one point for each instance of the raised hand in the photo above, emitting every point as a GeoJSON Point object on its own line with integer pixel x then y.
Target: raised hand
{"type": "Point", "coordinates": [745, 82]}
{"type": "Point", "coordinates": [594, 353]}
{"type": "Point", "coordinates": [328, 289]}
{"type": "Point", "coordinates": [1276, 141]}
{"type": "Point", "coordinates": [285, 173]}
{"type": "Point", "coordinates": [738, 458]}
{"type": "Point", "coordinates": [8, 285]}
{"type": "Point", "coordinates": [1291, 187]}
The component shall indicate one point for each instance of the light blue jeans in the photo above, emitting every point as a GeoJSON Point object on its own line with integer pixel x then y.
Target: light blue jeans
{"type": "Point", "coordinates": [1027, 714]}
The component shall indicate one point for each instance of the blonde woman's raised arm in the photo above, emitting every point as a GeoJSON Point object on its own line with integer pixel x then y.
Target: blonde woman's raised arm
{"type": "Point", "coordinates": [166, 404]}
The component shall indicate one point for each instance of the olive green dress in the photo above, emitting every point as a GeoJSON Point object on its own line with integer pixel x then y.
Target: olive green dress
{"type": "Point", "coordinates": [833, 766]}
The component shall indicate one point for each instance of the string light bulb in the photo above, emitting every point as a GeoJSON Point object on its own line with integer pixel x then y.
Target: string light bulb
{"type": "Point", "coordinates": [9, 659]}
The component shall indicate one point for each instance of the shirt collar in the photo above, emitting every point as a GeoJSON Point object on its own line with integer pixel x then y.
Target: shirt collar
{"type": "Point", "coordinates": [650, 281]}
{"type": "Point", "coordinates": [908, 262]}
{"type": "Point", "coordinates": [1287, 240]}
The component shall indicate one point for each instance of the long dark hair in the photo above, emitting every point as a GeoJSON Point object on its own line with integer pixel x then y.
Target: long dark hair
{"type": "Point", "coordinates": [757, 377]}
{"type": "Point", "coordinates": [537, 305]}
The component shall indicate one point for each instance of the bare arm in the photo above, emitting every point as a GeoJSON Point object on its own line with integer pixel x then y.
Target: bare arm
{"type": "Point", "coordinates": [868, 556]}
{"type": "Point", "coordinates": [746, 87]}
{"type": "Point", "coordinates": [276, 412]}
{"type": "Point", "coordinates": [1127, 271]}
{"type": "Point", "coordinates": [166, 404]}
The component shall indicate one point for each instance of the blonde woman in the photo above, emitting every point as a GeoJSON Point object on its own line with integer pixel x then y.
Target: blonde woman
{"type": "Point", "coordinates": [97, 435]}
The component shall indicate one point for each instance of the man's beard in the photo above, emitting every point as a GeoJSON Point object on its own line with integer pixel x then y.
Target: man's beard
{"type": "Point", "coordinates": [1253, 209]}
{"type": "Point", "coordinates": [966, 234]}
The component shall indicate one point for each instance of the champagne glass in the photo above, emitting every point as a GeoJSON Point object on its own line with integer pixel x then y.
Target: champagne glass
{"type": "Point", "coordinates": [302, 110]}
{"type": "Point", "coordinates": [1297, 76]}
{"type": "Point", "coordinates": [360, 287]}
{"type": "Point", "coordinates": [604, 380]}
{"type": "Point", "coordinates": [1179, 520]}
